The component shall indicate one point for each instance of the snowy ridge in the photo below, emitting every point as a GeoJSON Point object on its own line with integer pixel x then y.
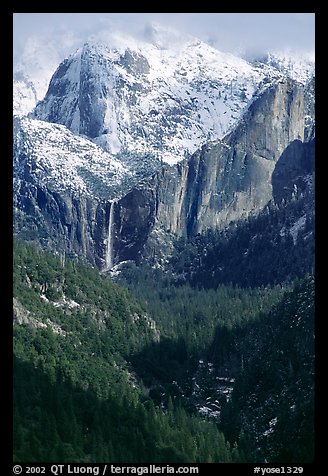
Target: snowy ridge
{"type": "Point", "coordinates": [147, 99]}
{"type": "Point", "coordinates": [300, 67]}
{"type": "Point", "coordinates": [58, 158]}
{"type": "Point", "coordinates": [165, 97]}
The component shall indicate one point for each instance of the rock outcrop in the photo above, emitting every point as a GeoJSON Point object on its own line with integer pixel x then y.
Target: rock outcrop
{"type": "Point", "coordinates": [224, 181]}
{"type": "Point", "coordinates": [139, 98]}
{"type": "Point", "coordinates": [63, 222]}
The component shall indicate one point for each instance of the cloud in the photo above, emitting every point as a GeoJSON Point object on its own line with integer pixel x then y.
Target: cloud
{"type": "Point", "coordinates": [41, 55]}
{"type": "Point", "coordinates": [47, 49]}
{"type": "Point", "coordinates": [245, 34]}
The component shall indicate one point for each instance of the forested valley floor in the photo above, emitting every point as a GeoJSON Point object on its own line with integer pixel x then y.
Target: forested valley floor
{"type": "Point", "coordinates": [153, 369]}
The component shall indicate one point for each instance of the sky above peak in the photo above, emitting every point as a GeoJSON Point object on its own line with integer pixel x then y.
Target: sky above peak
{"type": "Point", "coordinates": [41, 41]}
{"type": "Point", "coordinates": [244, 34]}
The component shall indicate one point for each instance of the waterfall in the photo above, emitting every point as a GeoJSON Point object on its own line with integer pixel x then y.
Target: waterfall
{"type": "Point", "coordinates": [109, 252]}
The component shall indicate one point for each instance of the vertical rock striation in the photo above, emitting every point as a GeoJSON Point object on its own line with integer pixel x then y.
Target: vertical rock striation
{"type": "Point", "coordinates": [224, 181]}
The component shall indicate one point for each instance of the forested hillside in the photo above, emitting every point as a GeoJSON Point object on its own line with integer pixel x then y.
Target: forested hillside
{"type": "Point", "coordinates": [76, 396]}
{"type": "Point", "coordinates": [272, 405]}
{"type": "Point", "coordinates": [103, 373]}
{"type": "Point", "coordinates": [164, 239]}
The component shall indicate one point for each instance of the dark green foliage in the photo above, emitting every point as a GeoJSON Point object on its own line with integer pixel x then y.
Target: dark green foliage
{"type": "Point", "coordinates": [76, 396]}
{"type": "Point", "coordinates": [188, 319]}
{"type": "Point", "coordinates": [270, 356]}
{"type": "Point", "coordinates": [273, 398]}
{"type": "Point", "coordinates": [55, 421]}
{"type": "Point", "coordinates": [192, 314]}
{"type": "Point", "coordinates": [100, 375]}
{"type": "Point", "coordinates": [92, 334]}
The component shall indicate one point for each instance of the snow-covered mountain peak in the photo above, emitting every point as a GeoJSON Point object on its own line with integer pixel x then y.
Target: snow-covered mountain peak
{"type": "Point", "coordinates": [167, 52]}
{"type": "Point", "coordinates": [155, 96]}
{"type": "Point", "coordinates": [134, 96]}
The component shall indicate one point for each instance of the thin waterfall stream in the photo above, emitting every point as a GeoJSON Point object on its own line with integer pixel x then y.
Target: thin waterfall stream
{"type": "Point", "coordinates": [109, 252]}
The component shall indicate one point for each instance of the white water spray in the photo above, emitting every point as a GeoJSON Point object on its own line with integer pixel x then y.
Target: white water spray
{"type": "Point", "coordinates": [109, 252]}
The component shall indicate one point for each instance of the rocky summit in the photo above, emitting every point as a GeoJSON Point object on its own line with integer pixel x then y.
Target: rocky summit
{"type": "Point", "coordinates": [137, 142]}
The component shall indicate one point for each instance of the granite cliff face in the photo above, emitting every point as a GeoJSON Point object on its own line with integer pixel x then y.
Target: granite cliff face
{"type": "Point", "coordinates": [62, 184]}
{"type": "Point", "coordinates": [62, 222]}
{"type": "Point", "coordinates": [224, 181]}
